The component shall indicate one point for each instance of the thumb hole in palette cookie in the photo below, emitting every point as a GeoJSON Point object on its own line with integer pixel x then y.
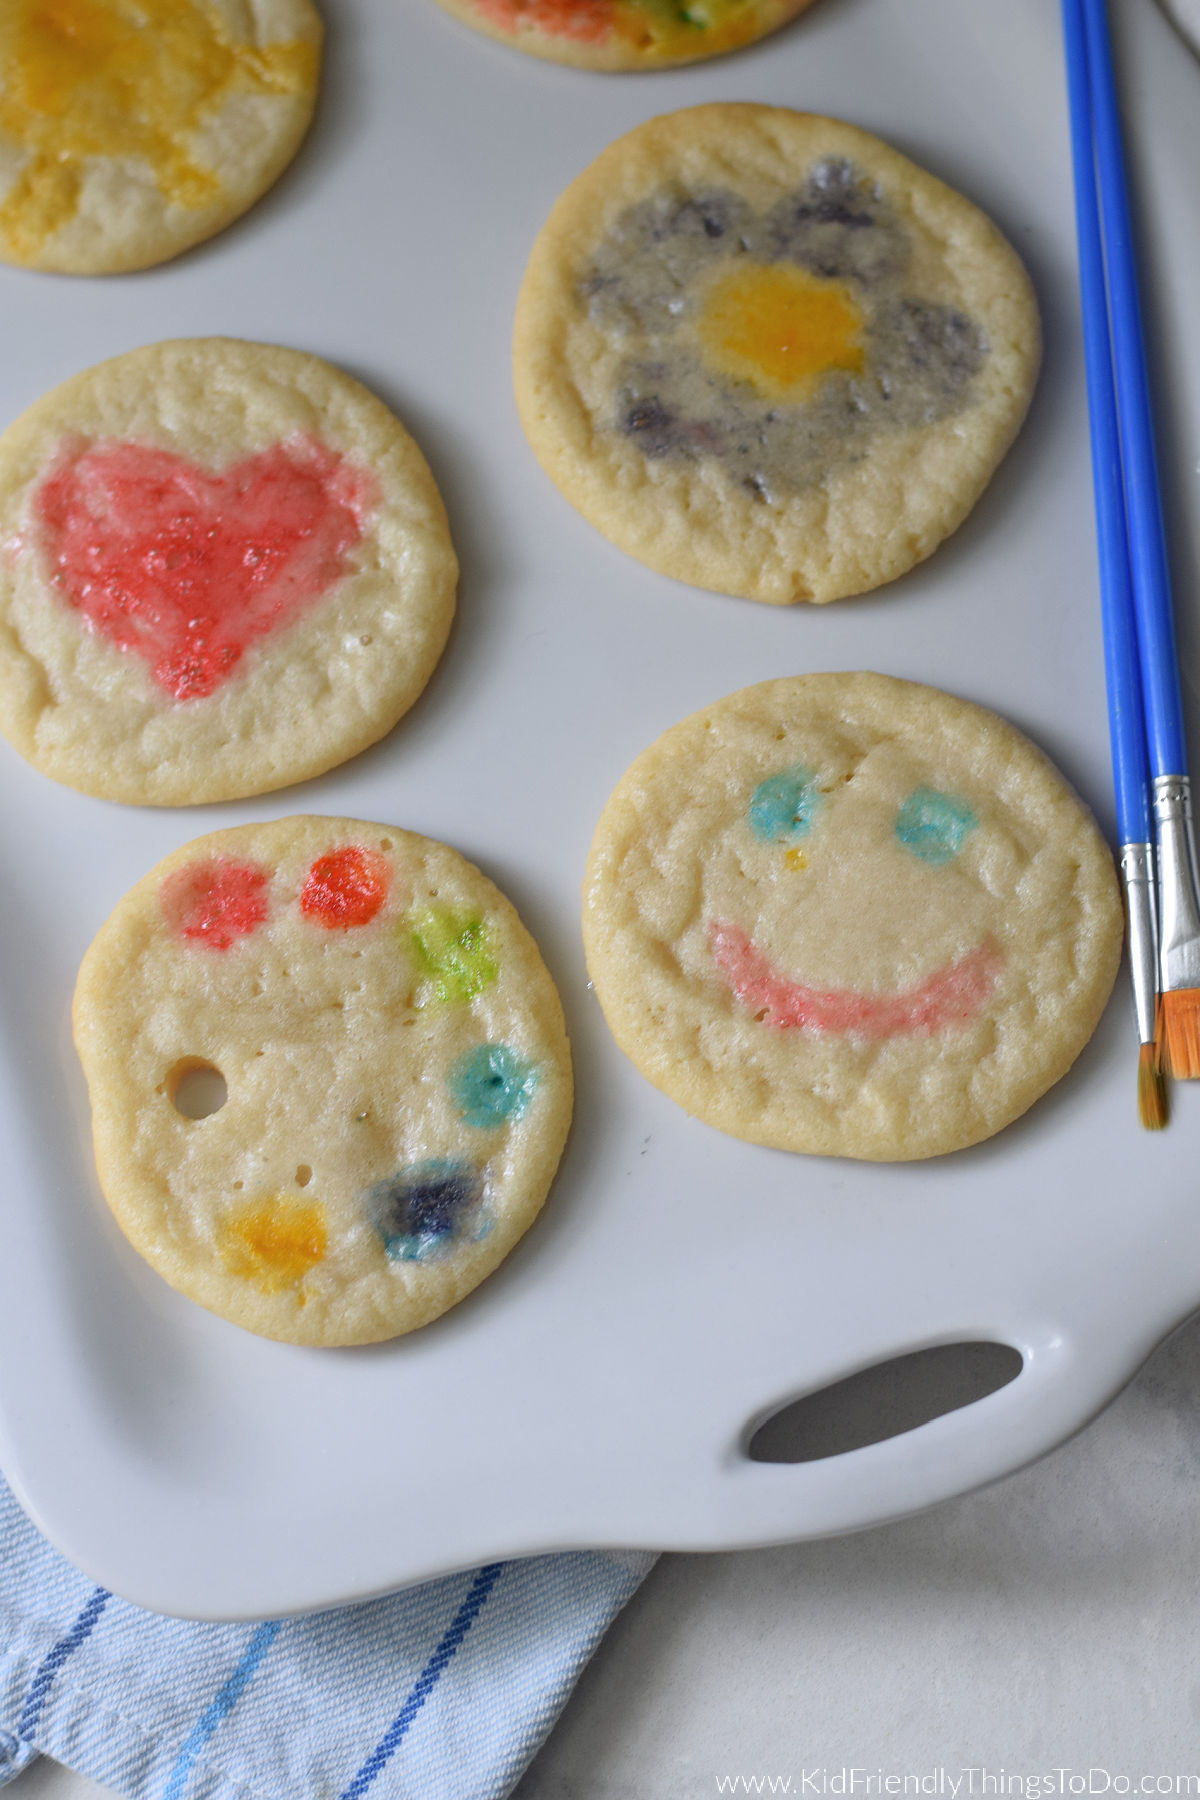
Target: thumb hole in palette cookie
{"type": "Point", "coordinates": [195, 1087]}
{"type": "Point", "coordinates": [884, 1401]}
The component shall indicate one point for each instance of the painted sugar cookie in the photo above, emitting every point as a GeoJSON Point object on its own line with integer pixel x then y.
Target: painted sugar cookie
{"type": "Point", "coordinates": [132, 129]}
{"type": "Point", "coordinates": [626, 34]}
{"type": "Point", "coordinates": [392, 1054]}
{"type": "Point", "coordinates": [850, 915]}
{"type": "Point", "coordinates": [224, 567]}
{"type": "Point", "coordinates": [766, 354]}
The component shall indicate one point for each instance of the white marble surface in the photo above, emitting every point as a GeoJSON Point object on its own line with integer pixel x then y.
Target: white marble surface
{"type": "Point", "coordinates": [1045, 1628]}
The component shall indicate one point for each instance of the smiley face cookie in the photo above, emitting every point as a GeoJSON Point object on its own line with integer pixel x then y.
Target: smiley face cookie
{"type": "Point", "coordinates": [130, 132]}
{"type": "Point", "coordinates": [766, 354]}
{"type": "Point", "coordinates": [626, 34]}
{"type": "Point", "coordinates": [224, 567]}
{"type": "Point", "coordinates": [849, 915]}
{"type": "Point", "coordinates": [390, 1053]}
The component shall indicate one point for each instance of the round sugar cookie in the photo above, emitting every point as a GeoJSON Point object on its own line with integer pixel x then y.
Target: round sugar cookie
{"type": "Point", "coordinates": [132, 129]}
{"type": "Point", "coordinates": [224, 567]}
{"type": "Point", "coordinates": [626, 34]}
{"type": "Point", "coordinates": [850, 915]}
{"type": "Point", "coordinates": [393, 1061]}
{"type": "Point", "coordinates": [766, 354]}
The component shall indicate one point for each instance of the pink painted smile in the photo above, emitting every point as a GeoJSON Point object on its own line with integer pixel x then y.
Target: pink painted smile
{"type": "Point", "coordinates": [952, 995]}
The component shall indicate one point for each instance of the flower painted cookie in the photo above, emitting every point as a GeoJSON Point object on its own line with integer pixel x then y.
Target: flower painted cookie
{"type": "Point", "coordinates": [626, 34]}
{"type": "Point", "coordinates": [224, 567]}
{"type": "Point", "coordinates": [766, 354]}
{"type": "Point", "coordinates": [849, 915]}
{"type": "Point", "coordinates": [132, 129]}
{"type": "Point", "coordinates": [329, 1076]}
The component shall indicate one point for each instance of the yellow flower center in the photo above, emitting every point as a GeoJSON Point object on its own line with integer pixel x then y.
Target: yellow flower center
{"type": "Point", "coordinates": [779, 328]}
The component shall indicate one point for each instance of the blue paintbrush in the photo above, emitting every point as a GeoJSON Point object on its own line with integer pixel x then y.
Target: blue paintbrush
{"type": "Point", "coordinates": [1131, 774]}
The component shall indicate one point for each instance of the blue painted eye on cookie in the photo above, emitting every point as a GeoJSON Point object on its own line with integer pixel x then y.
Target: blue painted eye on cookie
{"type": "Point", "coordinates": [934, 825]}
{"type": "Point", "coordinates": [782, 808]}
{"type": "Point", "coordinates": [492, 1083]}
{"type": "Point", "coordinates": [426, 1207]}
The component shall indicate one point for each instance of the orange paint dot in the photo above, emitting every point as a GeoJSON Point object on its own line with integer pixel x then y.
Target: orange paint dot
{"type": "Point", "coordinates": [779, 328]}
{"type": "Point", "coordinates": [276, 1243]}
{"type": "Point", "coordinates": [346, 888]}
{"type": "Point", "coordinates": [795, 859]}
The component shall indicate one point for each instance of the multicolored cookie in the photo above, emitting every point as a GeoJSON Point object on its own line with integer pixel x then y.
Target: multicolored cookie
{"type": "Point", "coordinates": [329, 1076]}
{"type": "Point", "coordinates": [130, 132]}
{"type": "Point", "coordinates": [626, 34]}
{"type": "Point", "coordinates": [224, 567]}
{"type": "Point", "coordinates": [849, 915]}
{"type": "Point", "coordinates": [766, 354]}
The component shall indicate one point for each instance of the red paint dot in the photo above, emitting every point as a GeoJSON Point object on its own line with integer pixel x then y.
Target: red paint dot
{"type": "Point", "coordinates": [215, 902]}
{"type": "Point", "coordinates": [346, 888]}
{"type": "Point", "coordinates": [587, 21]}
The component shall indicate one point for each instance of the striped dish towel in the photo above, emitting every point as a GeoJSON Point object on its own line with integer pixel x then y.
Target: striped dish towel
{"type": "Point", "coordinates": [443, 1692]}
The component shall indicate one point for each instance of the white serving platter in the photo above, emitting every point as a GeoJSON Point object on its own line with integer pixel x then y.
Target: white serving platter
{"type": "Point", "coordinates": [599, 1390]}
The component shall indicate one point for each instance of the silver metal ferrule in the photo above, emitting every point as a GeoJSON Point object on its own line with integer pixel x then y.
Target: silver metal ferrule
{"type": "Point", "coordinates": [1179, 908]}
{"type": "Point", "coordinates": [1141, 916]}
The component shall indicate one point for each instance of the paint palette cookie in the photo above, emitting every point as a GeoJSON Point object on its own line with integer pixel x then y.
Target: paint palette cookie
{"type": "Point", "coordinates": [849, 915]}
{"type": "Point", "coordinates": [131, 132]}
{"type": "Point", "coordinates": [390, 1060]}
{"type": "Point", "coordinates": [224, 567]}
{"type": "Point", "coordinates": [626, 34]}
{"type": "Point", "coordinates": [763, 352]}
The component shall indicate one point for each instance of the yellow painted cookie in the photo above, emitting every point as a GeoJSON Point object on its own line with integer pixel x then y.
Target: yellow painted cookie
{"type": "Point", "coordinates": [764, 353]}
{"type": "Point", "coordinates": [133, 129]}
{"type": "Point", "coordinates": [224, 567]}
{"type": "Point", "coordinates": [329, 1076]}
{"type": "Point", "coordinates": [849, 915]}
{"type": "Point", "coordinates": [626, 34]}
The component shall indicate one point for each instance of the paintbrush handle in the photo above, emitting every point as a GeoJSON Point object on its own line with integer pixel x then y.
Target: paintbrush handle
{"type": "Point", "coordinates": [1131, 774]}
{"type": "Point", "coordinates": [1163, 700]}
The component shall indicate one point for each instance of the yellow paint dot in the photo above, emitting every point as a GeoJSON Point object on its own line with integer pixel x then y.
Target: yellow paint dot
{"type": "Point", "coordinates": [120, 78]}
{"type": "Point", "coordinates": [795, 859]}
{"type": "Point", "coordinates": [779, 327]}
{"type": "Point", "coordinates": [274, 1244]}
{"type": "Point", "coordinates": [686, 26]}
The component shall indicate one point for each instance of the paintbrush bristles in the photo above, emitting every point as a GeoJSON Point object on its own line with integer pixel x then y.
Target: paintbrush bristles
{"type": "Point", "coordinates": [1179, 1032]}
{"type": "Point", "coordinates": [1152, 1091]}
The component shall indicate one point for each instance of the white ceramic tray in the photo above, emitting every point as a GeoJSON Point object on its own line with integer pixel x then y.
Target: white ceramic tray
{"type": "Point", "coordinates": [599, 1389]}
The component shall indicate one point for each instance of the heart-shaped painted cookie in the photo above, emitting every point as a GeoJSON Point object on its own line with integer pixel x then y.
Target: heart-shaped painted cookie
{"type": "Point", "coordinates": [224, 567]}
{"type": "Point", "coordinates": [188, 566]}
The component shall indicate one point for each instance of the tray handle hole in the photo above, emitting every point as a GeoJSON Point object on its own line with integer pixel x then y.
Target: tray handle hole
{"type": "Point", "coordinates": [884, 1401]}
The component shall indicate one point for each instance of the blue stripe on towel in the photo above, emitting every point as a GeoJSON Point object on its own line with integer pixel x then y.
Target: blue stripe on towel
{"type": "Point", "coordinates": [427, 1680]}
{"type": "Point", "coordinates": [218, 1709]}
{"type": "Point", "coordinates": [66, 1647]}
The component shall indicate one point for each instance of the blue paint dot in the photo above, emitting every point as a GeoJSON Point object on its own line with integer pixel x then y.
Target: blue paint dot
{"type": "Point", "coordinates": [783, 806]}
{"type": "Point", "coordinates": [492, 1083]}
{"type": "Point", "coordinates": [933, 825]}
{"type": "Point", "coordinates": [420, 1209]}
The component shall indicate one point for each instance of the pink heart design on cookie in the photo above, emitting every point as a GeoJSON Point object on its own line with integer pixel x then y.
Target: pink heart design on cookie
{"type": "Point", "coordinates": [187, 566]}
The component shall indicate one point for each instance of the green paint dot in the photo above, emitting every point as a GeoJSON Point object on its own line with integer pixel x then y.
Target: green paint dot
{"type": "Point", "coordinates": [453, 951]}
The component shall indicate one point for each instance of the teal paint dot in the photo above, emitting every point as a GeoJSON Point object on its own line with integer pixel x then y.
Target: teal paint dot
{"type": "Point", "coordinates": [492, 1083]}
{"type": "Point", "coordinates": [933, 825]}
{"type": "Point", "coordinates": [782, 807]}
